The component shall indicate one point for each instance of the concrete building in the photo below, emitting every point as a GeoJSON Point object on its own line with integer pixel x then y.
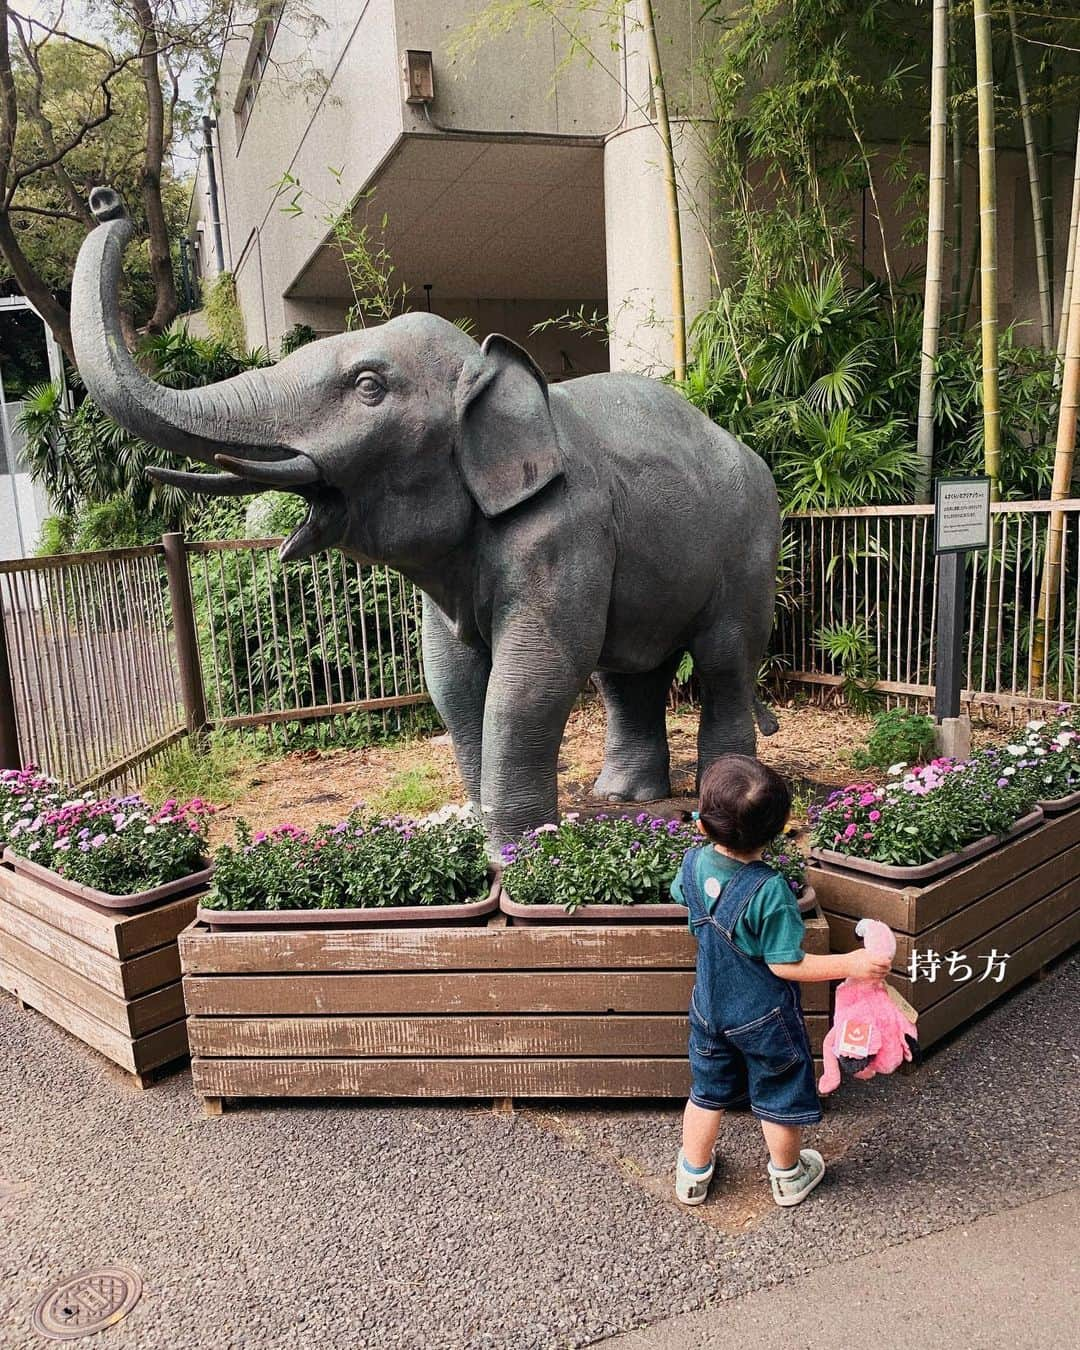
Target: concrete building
{"type": "Point", "coordinates": [527, 186]}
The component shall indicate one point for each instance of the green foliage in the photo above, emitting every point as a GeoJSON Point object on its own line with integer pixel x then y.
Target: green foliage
{"type": "Point", "coordinates": [209, 770]}
{"type": "Point", "coordinates": [299, 335]}
{"type": "Point", "coordinates": [630, 860]}
{"type": "Point", "coordinates": [852, 649]}
{"type": "Point", "coordinates": [363, 862]}
{"type": "Point", "coordinates": [897, 737]}
{"type": "Point", "coordinates": [411, 792]}
{"type": "Point", "coordinates": [926, 814]}
{"type": "Point", "coordinates": [223, 314]}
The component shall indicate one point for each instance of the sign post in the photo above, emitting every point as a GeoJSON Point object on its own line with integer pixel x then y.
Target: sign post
{"type": "Point", "coordinates": [961, 526]}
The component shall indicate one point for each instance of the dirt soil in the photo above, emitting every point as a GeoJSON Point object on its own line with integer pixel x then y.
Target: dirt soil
{"type": "Point", "coordinates": [812, 750]}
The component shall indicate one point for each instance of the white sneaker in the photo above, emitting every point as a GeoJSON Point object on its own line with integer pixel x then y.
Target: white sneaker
{"type": "Point", "coordinates": [792, 1188]}
{"type": "Point", "coordinates": [691, 1188]}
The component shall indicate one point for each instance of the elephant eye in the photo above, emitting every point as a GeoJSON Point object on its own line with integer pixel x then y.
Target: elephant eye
{"type": "Point", "coordinates": [370, 387]}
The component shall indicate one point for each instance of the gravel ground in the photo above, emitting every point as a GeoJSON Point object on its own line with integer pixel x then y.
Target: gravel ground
{"type": "Point", "coordinates": [291, 1226]}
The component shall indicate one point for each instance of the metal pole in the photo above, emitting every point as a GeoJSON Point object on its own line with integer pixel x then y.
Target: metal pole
{"type": "Point", "coordinates": [185, 634]}
{"type": "Point", "coordinates": [211, 178]}
{"type": "Point", "coordinates": [948, 674]}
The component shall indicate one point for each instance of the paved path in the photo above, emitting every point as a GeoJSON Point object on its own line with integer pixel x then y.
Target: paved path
{"type": "Point", "coordinates": [1011, 1279]}
{"type": "Point", "coordinates": [313, 1227]}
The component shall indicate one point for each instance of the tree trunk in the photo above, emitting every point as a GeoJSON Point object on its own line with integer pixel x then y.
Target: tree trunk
{"type": "Point", "coordinates": [984, 78]}
{"type": "Point", "coordinates": [1042, 269]}
{"type": "Point", "coordinates": [161, 268]}
{"type": "Point", "coordinates": [663, 125]}
{"type": "Point", "coordinates": [935, 249]}
{"type": "Point", "coordinates": [1064, 453]}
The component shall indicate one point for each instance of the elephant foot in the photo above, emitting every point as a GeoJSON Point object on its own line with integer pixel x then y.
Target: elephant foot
{"type": "Point", "coordinates": [619, 784]}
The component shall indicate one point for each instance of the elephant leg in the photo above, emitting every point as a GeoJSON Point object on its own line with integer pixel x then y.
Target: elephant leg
{"type": "Point", "coordinates": [727, 703]}
{"type": "Point", "coordinates": [636, 759]}
{"type": "Point", "coordinates": [457, 679]}
{"type": "Point", "coordinates": [534, 683]}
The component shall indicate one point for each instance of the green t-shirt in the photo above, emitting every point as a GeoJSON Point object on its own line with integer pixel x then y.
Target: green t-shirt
{"type": "Point", "coordinates": [771, 927]}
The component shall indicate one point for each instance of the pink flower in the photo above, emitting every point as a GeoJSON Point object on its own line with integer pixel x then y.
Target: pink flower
{"type": "Point", "coordinates": [851, 831]}
{"type": "Point", "coordinates": [875, 816]}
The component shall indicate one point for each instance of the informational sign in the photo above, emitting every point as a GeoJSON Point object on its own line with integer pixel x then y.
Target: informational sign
{"type": "Point", "coordinates": [961, 514]}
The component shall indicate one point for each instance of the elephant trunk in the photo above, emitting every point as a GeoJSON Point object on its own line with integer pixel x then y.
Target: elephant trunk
{"type": "Point", "coordinates": [191, 422]}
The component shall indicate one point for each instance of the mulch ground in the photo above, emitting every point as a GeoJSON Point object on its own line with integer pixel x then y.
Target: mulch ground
{"type": "Point", "coordinates": [812, 749]}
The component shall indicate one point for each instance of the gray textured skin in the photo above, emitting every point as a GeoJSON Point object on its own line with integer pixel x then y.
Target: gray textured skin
{"type": "Point", "coordinates": [604, 525]}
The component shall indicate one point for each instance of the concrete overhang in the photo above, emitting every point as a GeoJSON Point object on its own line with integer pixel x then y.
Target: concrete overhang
{"type": "Point", "coordinates": [481, 217]}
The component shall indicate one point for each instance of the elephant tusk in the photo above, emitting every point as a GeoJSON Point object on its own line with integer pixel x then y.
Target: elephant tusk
{"type": "Point", "coordinates": [213, 484]}
{"type": "Point", "coordinates": [287, 474]}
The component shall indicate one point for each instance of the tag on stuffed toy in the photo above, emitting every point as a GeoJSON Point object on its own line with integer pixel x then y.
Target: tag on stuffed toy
{"type": "Point", "coordinates": [853, 1039]}
{"type": "Point", "coordinates": [905, 1008]}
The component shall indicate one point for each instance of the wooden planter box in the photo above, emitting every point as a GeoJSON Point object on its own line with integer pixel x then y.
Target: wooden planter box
{"type": "Point", "coordinates": [1023, 899]}
{"type": "Point", "coordinates": [497, 1011]}
{"type": "Point", "coordinates": [111, 979]}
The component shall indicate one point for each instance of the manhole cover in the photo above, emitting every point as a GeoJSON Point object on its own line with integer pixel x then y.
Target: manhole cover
{"type": "Point", "coordinates": [87, 1302]}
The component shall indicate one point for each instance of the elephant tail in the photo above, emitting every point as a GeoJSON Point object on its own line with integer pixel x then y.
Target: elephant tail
{"type": "Point", "coordinates": [765, 718]}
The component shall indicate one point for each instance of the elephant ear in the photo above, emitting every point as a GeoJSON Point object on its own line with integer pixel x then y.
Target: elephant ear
{"type": "Point", "coordinates": [507, 447]}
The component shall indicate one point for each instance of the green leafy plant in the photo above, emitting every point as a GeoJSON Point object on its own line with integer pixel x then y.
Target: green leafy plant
{"type": "Point", "coordinates": [924, 814]}
{"type": "Point", "coordinates": [299, 335]}
{"type": "Point", "coordinates": [411, 791]}
{"type": "Point", "coordinates": [120, 845]}
{"type": "Point", "coordinates": [224, 317]}
{"type": "Point", "coordinates": [1046, 757]}
{"type": "Point", "coordinates": [851, 648]}
{"type": "Point", "coordinates": [897, 737]}
{"type": "Point", "coordinates": [622, 860]}
{"type": "Point", "coordinates": [207, 769]}
{"type": "Point", "coordinates": [363, 862]}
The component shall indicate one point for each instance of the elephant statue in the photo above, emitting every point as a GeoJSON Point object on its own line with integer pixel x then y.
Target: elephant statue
{"type": "Point", "coordinates": [601, 527]}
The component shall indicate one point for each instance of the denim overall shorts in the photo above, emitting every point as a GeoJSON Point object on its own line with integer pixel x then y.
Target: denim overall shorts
{"type": "Point", "coordinates": [747, 1037]}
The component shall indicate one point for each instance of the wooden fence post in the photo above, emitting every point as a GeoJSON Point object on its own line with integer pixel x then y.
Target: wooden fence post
{"type": "Point", "coordinates": [10, 757]}
{"type": "Point", "coordinates": [185, 634]}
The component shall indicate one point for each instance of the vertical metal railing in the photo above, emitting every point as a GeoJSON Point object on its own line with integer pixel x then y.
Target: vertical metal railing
{"type": "Point", "coordinates": [874, 569]}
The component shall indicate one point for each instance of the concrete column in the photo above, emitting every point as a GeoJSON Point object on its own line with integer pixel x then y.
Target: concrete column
{"type": "Point", "coordinates": [638, 254]}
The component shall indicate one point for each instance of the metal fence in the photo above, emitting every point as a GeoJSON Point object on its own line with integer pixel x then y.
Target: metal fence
{"type": "Point", "coordinates": [109, 658]}
{"type": "Point", "coordinates": [91, 661]}
{"type": "Point", "coordinates": [873, 569]}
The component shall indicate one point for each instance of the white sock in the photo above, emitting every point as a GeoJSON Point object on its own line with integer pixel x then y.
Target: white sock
{"type": "Point", "coordinates": [785, 1171]}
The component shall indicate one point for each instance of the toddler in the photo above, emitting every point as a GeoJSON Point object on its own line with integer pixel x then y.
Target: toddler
{"type": "Point", "coordinates": [747, 1038]}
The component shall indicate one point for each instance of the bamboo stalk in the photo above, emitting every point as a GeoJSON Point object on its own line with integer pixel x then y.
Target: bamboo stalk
{"type": "Point", "coordinates": [1070, 256]}
{"type": "Point", "coordinates": [1042, 270]}
{"type": "Point", "coordinates": [988, 266]}
{"type": "Point", "coordinates": [1064, 453]}
{"type": "Point", "coordinates": [957, 174]}
{"type": "Point", "coordinates": [678, 294]}
{"type": "Point", "coordinates": [935, 250]}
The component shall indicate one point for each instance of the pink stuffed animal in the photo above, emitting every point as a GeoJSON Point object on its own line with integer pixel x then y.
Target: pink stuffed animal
{"type": "Point", "coordinates": [872, 1032]}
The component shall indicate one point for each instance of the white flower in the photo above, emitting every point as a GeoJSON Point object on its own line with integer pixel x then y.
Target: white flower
{"type": "Point", "coordinates": [894, 769]}
{"type": "Point", "coordinates": [1035, 726]}
{"type": "Point", "coordinates": [1008, 773]}
{"type": "Point", "coordinates": [1016, 750]}
{"type": "Point", "coordinates": [150, 829]}
{"type": "Point", "coordinates": [572, 815]}
{"type": "Point", "coordinates": [546, 829]}
{"type": "Point", "coordinates": [1038, 750]}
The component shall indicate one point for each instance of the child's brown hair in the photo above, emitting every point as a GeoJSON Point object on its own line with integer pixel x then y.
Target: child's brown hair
{"type": "Point", "coordinates": [743, 803]}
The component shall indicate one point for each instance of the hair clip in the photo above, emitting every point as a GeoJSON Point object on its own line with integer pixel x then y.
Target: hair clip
{"type": "Point", "coordinates": [695, 815]}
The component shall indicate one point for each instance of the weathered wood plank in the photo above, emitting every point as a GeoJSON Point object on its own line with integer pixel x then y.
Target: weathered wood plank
{"type": "Point", "coordinates": [107, 1040]}
{"type": "Point", "coordinates": [970, 999]}
{"type": "Point", "coordinates": [116, 934]}
{"type": "Point", "coordinates": [437, 949]}
{"type": "Point", "coordinates": [161, 1046]}
{"type": "Point", "coordinates": [126, 979]}
{"type": "Point", "coordinates": [390, 1037]}
{"type": "Point", "coordinates": [856, 896]}
{"type": "Point", "coordinates": [979, 917]}
{"type": "Point", "coordinates": [1008, 937]}
{"type": "Point", "coordinates": [638, 1077]}
{"type": "Point", "coordinates": [132, 1017]}
{"type": "Point", "coordinates": [603, 991]}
